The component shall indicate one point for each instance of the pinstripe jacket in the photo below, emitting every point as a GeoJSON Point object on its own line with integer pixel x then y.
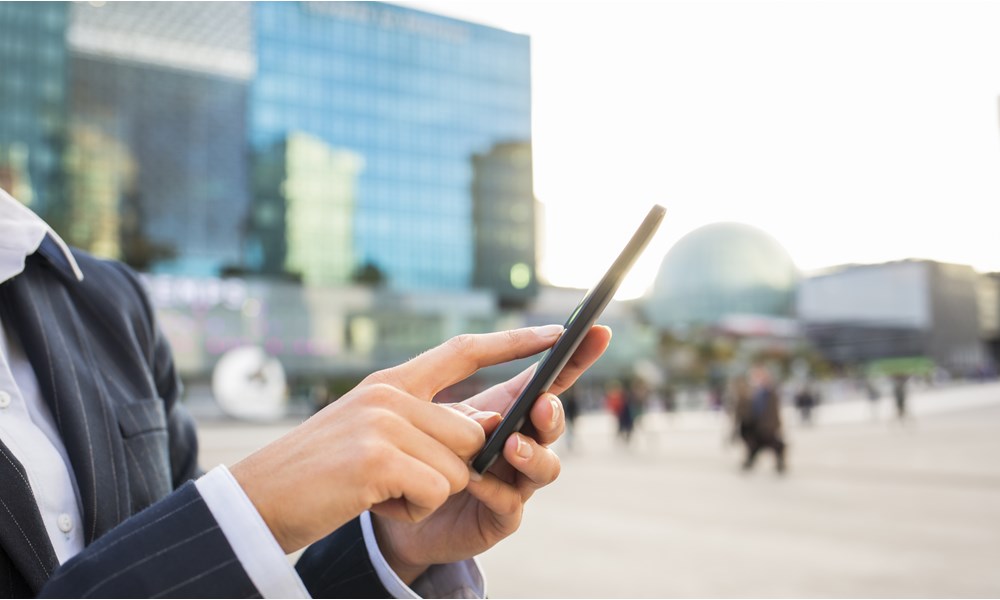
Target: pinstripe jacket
{"type": "Point", "coordinates": [107, 375]}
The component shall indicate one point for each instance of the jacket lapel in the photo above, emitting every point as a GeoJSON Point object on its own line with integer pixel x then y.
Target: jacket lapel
{"type": "Point", "coordinates": [39, 307]}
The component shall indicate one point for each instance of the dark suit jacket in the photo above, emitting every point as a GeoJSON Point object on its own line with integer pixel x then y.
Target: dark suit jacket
{"type": "Point", "coordinates": [106, 373]}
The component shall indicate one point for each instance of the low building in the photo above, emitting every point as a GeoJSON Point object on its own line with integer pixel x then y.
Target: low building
{"type": "Point", "coordinates": [913, 308]}
{"type": "Point", "coordinates": [988, 290]}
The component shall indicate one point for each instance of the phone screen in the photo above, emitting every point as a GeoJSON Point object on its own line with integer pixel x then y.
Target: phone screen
{"type": "Point", "coordinates": [576, 328]}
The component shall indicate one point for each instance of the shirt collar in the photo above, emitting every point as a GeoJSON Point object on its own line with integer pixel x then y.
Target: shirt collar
{"type": "Point", "coordinates": [22, 233]}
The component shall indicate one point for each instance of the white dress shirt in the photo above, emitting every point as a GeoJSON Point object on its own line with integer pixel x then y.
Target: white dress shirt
{"type": "Point", "coordinates": [28, 429]}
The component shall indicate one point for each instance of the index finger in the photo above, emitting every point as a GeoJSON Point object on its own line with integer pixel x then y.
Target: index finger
{"type": "Point", "coordinates": [499, 397]}
{"type": "Point", "coordinates": [463, 355]}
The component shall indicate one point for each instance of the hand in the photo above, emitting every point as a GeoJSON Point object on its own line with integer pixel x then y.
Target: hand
{"type": "Point", "coordinates": [382, 446]}
{"type": "Point", "coordinates": [490, 509]}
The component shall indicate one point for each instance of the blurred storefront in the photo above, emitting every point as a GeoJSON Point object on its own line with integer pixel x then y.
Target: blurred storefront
{"type": "Point", "coordinates": [322, 333]}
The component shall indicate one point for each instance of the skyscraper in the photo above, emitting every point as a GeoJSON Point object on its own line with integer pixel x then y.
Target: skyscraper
{"type": "Point", "coordinates": [416, 96]}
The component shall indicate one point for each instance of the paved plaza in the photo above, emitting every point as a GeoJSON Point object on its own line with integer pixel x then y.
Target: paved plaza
{"type": "Point", "coordinates": [869, 508]}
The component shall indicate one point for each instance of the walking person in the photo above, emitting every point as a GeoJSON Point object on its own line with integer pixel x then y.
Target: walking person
{"type": "Point", "coordinates": [759, 412]}
{"type": "Point", "coordinates": [899, 393]}
{"type": "Point", "coordinates": [616, 399]}
{"type": "Point", "coordinates": [805, 400]}
{"type": "Point", "coordinates": [571, 408]}
{"type": "Point", "coordinates": [872, 393]}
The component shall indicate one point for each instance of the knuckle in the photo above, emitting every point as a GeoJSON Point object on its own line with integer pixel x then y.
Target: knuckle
{"type": "Point", "coordinates": [374, 454]}
{"type": "Point", "coordinates": [457, 480]}
{"type": "Point", "coordinates": [380, 394]}
{"type": "Point", "coordinates": [438, 490]}
{"type": "Point", "coordinates": [378, 424]}
{"type": "Point", "coordinates": [461, 344]}
{"type": "Point", "coordinates": [468, 435]}
{"type": "Point", "coordinates": [381, 377]}
{"type": "Point", "coordinates": [442, 490]}
{"type": "Point", "coordinates": [473, 442]}
{"type": "Point", "coordinates": [556, 469]}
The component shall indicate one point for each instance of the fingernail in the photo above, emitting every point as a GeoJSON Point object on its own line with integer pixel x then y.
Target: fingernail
{"type": "Point", "coordinates": [556, 407]}
{"type": "Point", "coordinates": [473, 476]}
{"type": "Point", "coordinates": [523, 448]}
{"type": "Point", "coordinates": [548, 331]}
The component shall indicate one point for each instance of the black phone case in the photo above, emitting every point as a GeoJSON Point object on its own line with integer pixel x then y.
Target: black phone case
{"type": "Point", "coordinates": [576, 328]}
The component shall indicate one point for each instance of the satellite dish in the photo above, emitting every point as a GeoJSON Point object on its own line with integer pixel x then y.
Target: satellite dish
{"type": "Point", "coordinates": [249, 384]}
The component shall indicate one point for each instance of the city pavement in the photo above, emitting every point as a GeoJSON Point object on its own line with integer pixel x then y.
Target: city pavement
{"type": "Point", "coordinates": [869, 508]}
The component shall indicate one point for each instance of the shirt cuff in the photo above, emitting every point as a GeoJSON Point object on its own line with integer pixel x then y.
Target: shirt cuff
{"type": "Point", "coordinates": [248, 535]}
{"type": "Point", "coordinates": [456, 580]}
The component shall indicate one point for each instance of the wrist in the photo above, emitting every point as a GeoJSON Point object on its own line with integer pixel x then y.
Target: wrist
{"type": "Point", "coordinates": [407, 571]}
{"type": "Point", "coordinates": [243, 474]}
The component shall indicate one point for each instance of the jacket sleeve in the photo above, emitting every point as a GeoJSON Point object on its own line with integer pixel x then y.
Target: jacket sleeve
{"type": "Point", "coordinates": [173, 549]}
{"type": "Point", "coordinates": [338, 566]}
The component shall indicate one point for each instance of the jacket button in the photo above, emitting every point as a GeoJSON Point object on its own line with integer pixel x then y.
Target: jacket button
{"type": "Point", "coordinates": [4, 399]}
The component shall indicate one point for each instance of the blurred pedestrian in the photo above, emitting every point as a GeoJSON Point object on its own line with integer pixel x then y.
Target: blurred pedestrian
{"type": "Point", "coordinates": [669, 399]}
{"type": "Point", "coordinates": [614, 402]}
{"type": "Point", "coordinates": [872, 393]}
{"type": "Point", "coordinates": [619, 402]}
{"type": "Point", "coordinates": [716, 388]}
{"type": "Point", "coordinates": [759, 412]}
{"type": "Point", "coordinates": [737, 407]}
{"type": "Point", "coordinates": [571, 407]}
{"type": "Point", "coordinates": [899, 393]}
{"type": "Point", "coordinates": [805, 400]}
{"type": "Point", "coordinates": [637, 400]}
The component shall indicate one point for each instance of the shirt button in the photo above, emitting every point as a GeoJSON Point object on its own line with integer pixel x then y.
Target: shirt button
{"type": "Point", "coordinates": [4, 399]}
{"type": "Point", "coordinates": [65, 523]}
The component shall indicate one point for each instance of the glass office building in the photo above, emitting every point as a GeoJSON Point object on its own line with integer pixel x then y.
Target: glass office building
{"type": "Point", "coordinates": [413, 98]}
{"type": "Point", "coordinates": [33, 61]}
{"type": "Point", "coordinates": [156, 159]}
{"type": "Point", "coordinates": [329, 141]}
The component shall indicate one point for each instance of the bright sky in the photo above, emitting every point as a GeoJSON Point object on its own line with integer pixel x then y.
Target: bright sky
{"type": "Point", "coordinates": [850, 131]}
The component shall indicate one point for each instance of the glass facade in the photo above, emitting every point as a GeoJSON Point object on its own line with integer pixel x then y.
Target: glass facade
{"type": "Point", "coordinates": [415, 97]}
{"type": "Point", "coordinates": [328, 141]}
{"type": "Point", "coordinates": [305, 194]}
{"type": "Point", "coordinates": [32, 101]}
{"type": "Point", "coordinates": [156, 160]}
{"type": "Point", "coordinates": [161, 151]}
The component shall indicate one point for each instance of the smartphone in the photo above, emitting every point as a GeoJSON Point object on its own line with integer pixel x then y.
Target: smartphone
{"type": "Point", "coordinates": [576, 328]}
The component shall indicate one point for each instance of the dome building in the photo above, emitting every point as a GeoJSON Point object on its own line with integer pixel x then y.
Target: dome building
{"type": "Point", "coordinates": [724, 274]}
